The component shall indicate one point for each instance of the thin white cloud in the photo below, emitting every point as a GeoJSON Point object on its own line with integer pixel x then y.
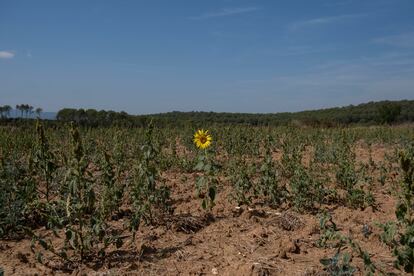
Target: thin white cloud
{"type": "Point", "coordinates": [362, 70]}
{"type": "Point", "coordinates": [7, 54]}
{"type": "Point", "coordinates": [323, 21]}
{"type": "Point", "coordinates": [405, 40]}
{"type": "Point", "coordinates": [225, 12]}
{"type": "Point", "coordinates": [387, 76]}
{"type": "Point", "coordinates": [296, 51]}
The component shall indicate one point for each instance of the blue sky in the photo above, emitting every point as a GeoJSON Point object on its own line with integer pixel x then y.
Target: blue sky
{"type": "Point", "coordinates": [211, 55]}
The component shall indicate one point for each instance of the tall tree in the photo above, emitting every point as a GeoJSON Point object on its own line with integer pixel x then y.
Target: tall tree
{"type": "Point", "coordinates": [19, 108]}
{"type": "Point", "coordinates": [7, 109]}
{"type": "Point", "coordinates": [38, 111]}
{"type": "Point", "coordinates": [30, 110]}
{"type": "Point", "coordinates": [25, 108]}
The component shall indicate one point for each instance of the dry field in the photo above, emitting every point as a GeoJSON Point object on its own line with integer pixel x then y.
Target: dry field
{"type": "Point", "coordinates": [258, 201]}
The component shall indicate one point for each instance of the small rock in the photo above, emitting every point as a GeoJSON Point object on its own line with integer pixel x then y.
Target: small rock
{"type": "Point", "coordinates": [237, 211]}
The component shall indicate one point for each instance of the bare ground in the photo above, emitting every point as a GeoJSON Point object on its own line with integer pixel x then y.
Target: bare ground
{"type": "Point", "coordinates": [230, 241]}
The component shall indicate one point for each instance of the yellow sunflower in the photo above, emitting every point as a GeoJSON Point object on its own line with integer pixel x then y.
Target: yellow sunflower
{"type": "Point", "coordinates": [202, 139]}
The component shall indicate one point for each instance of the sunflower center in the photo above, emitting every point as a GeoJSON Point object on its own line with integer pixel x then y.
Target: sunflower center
{"type": "Point", "coordinates": [203, 140]}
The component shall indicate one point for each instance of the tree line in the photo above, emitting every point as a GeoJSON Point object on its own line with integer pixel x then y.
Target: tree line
{"type": "Point", "coordinates": [384, 112]}
{"type": "Point", "coordinates": [5, 111]}
{"type": "Point", "coordinates": [26, 109]}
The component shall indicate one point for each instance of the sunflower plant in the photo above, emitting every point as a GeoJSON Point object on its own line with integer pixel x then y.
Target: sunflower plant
{"type": "Point", "coordinates": [202, 139]}
{"type": "Point", "coordinates": [404, 245]}
{"type": "Point", "coordinates": [206, 184]}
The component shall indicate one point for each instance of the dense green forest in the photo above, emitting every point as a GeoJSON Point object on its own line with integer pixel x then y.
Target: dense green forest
{"type": "Point", "coordinates": [367, 113]}
{"type": "Point", "coordinates": [384, 112]}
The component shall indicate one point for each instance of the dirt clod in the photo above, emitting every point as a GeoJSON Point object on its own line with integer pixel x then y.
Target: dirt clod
{"type": "Point", "coordinates": [289, 221]}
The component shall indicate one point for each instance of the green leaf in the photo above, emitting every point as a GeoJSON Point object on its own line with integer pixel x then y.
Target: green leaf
{"type": "Point", "coordinates": [200, 182]}
{"type": "Point", "coordinates": [43, 243]}
{"type": "Point", "coordinates": [199, 166]}
{"type": "Point", "coordinates": [39, 257]}
{"type": "Point", "coordinates": [69, 234]}
{"type": "Point", "coordinates": [325, 262]}
{"type": "Point", "coordinates": [212, 193]}
{"type": "Point", "coordinates": [401, 211]}
{"type": "Point", "coordinates": [346, 258]}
